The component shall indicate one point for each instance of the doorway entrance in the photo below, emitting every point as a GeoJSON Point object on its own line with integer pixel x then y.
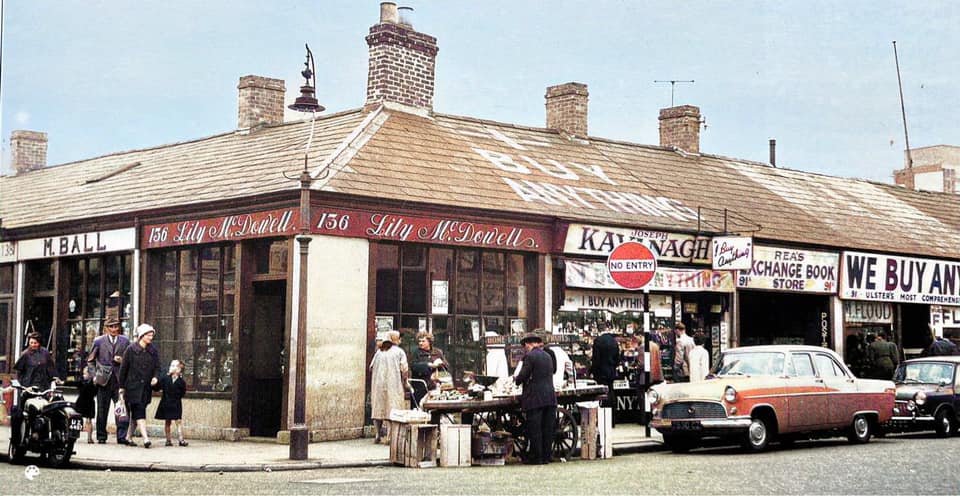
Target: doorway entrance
{"type": "Point", "coordinates": [262, 381]}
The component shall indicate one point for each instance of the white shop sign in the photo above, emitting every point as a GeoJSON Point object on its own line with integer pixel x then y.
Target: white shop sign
{"type": "Point", "coordinates": [586, 239]}
{"type": "Point", "coordinates": [874, 277]}
{"type": "Point", "coordinates": [574, 300]}
{"type": "Point", "coordinates": [70, 245]}
{"type": "Point", "coordinates": [788, 269]}
{"type": "Point", "coordinates": [732, 253]}
{"type": "Point", "coordinates": [944, 317]}
{"type": "Point", "coordinates": [8, 252]}
{"type": "Point", "coordinates": [867, 312]}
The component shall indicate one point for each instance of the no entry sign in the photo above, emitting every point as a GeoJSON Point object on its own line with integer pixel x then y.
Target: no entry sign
{"type": "Point", "coordinates": [632, 265]}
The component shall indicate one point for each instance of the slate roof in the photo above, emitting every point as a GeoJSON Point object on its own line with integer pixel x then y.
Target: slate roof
{"type": "Point", "coordinates": [464, 162]}
{"type": "Point", "coordinates": [222, 167]}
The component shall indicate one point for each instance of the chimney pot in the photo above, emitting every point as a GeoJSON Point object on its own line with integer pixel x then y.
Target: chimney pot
{"type": "Point", "coordinates": [28, 150]}
{"type": "Point", "coordinates": [401, 63]}
{"type": "Point", "coordinates": [567, 108]}
{"type": "Point", "coordinates": [388, 13]}
{"type": "Point", "coordinates": [260, 101]}
{"type": "Point", "coordinates": [406, 16]}
{"type": "Point", "coordinates": [680, 127]}
{"type": "Point", "coordinates": [773, 152]}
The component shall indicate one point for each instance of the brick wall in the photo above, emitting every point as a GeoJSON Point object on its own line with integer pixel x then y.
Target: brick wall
{"type": "Point", "coordinates": [567, 108]}
{"type": "Point", "coordinates": [401, 66]}
{"type": "Point", "coordinates": [680, 127]}
{"type": "Point", "coordinates": [260, 101]}
{"type": "Point", "coordinates": [28, 150]}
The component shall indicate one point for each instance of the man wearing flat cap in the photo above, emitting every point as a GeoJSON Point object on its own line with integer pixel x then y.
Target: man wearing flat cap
{"type": "Point", "coordinates": [538, 401]}
{"type": "Point", "coordinates": [106, 356]}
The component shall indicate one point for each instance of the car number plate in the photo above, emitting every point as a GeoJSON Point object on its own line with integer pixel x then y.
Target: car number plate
{"type": "Point", "coordinates": [76, 424]}
{"type": "Point", "coordinates": [621, 384]}
{"type": "Point", "coordinates": [687, 426]}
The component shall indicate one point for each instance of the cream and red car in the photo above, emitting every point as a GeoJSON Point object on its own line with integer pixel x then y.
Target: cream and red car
{"type": "Point", "coordinates": [760, 394]}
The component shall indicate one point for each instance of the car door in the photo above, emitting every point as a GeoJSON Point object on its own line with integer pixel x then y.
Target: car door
{"type": "Point", "coordinates": [804, 392]}
{"type": "Point", "coordinates": [840, 400]}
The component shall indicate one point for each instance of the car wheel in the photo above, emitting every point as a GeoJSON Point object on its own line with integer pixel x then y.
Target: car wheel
{"type": "Point", "coordinates": [758, 435]}
{"type": "Point", "coordinates": [944, 423]}
{"type": "Point", "coordinates": [860, 430]}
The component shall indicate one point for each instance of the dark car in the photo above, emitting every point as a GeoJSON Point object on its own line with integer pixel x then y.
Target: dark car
{"type": "Point", "coordinates": [927, 396]}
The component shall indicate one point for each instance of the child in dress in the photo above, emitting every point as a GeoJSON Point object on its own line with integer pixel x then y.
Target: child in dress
{"type": "Point", "coordinates": [170, 408]}
{"type": "Point", "coordinates": [86, 401]}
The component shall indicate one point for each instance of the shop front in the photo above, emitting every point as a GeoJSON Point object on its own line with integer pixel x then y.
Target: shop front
{"type": "Point", "coordinates": [785, 297]}
{"type": "Point", "coordinates": [914, 288]}
{"type": "Point", "coordinates": [8, 274]}
{"type": "Point", "coordinates": [69, 285]}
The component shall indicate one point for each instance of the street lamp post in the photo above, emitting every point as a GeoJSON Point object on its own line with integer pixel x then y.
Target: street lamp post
{"type": "Point", "coordinates": [299, 433]}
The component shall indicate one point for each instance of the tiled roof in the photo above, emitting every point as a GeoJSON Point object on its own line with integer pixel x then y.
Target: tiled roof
{"type": "Point", "coordinates": [221, 167]}
{"type": "Point", "coordinates": [458, 161]}
{"type": "Point", "coordinates": [469, 163]}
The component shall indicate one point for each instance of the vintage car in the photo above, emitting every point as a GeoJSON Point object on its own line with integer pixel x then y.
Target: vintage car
{"type": "Point", "coordinates": [927, 396]}
{"type": "Point", "coordinates": [760, 394]}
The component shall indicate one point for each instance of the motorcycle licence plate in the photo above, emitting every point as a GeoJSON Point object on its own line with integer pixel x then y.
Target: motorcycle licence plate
{"type": "Point", "coordinates": [76, 424]}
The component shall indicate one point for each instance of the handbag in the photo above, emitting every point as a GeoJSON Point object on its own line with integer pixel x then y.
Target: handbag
{"type": "Point", "coordinates": [102, 376]}
{"type": "Point", "coordinates": [443, 377]}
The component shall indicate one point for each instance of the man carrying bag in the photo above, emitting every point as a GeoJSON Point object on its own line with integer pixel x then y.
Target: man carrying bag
{"type": "Point", "coordinates": [106, 355]}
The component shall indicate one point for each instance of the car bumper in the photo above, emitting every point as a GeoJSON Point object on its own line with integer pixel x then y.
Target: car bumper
{"type": "Point", "coordinates": [702, 427]}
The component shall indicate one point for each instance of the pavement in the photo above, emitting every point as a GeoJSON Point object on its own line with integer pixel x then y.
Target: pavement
{"type": "Point", "coordinates": [265, 455]}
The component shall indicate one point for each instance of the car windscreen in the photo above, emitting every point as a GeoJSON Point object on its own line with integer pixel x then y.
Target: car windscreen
{"type": "Point", "coordinates": [924, 373]}
{"type": "Point", "coordinates": [751, 363]}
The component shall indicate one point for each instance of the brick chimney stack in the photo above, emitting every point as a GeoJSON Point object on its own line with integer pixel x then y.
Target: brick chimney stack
{"type": "Point", "coordinates": [567, 108]}
{"type": "Point", "coordinates": [401, 62]}
{"type": "Point", "coordinates": [28, 151]}
{"type": "Point", "coordinates": [261, 101]}
{"type": "Point", "coordinates": [680, 127]}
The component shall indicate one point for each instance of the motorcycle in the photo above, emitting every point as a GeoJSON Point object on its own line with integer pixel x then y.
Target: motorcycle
{"type": "Point", "coordinates": [46, 424]}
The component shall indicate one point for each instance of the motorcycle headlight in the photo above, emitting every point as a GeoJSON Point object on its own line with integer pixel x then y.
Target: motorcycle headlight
{"type": "Point", "coordinates": [920, 398]}
{"type": "Point", "coordinates": [730, 394]}
{"type": "Point", "coordinates": [653, 396]}
{"type": "Point", "coordinates": [911, 406]}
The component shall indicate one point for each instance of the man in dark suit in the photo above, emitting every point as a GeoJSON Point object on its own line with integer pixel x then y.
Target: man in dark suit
{"type": "Point", "coordinates": [603, 367]}
{"type": "Point", "coordinates": [107, 354]}
{"type": "Point", "coordinates": [538, 401]}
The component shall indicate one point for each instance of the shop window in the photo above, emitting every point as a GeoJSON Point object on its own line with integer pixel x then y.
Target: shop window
{"type": "Point", "coordinates": [6, 279]}
{"type": "Point", "coordinates": [192, 307]}
{"type": "Point", "coordinates": [456, 294]}
{"type": "Point", "coordinates": [271, 258]}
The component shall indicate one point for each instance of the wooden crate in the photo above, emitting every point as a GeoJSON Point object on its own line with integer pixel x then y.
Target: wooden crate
{"type": "Point", "coordinates": [413, 445]}
{"type": "Point", "coordinates": [454, 445]}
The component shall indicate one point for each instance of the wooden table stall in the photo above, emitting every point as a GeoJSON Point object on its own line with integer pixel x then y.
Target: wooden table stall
{"type": "Point", "coordinates": [503, 413]}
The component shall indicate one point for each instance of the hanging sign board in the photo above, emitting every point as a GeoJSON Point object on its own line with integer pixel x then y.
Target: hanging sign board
{"type": "Point", "coordinates": [574, 299]}
{"type": "Point", "coordinates": [632, 265]}
{"type": "Point", "coordinates": [732, 253]}
{"type": "Point", "coordinates": [89, 243]}
{"type": "Point", "coordinates": [874, 277]}
{"type": "Point", "coordinates": [788, 269]}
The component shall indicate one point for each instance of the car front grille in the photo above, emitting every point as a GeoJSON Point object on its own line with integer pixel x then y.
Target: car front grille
{"type": "Point", "coordinates": [694, 409]}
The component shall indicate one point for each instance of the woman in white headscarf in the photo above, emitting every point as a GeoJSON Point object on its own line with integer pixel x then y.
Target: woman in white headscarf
{"type": "Point", "coordinates": [388, 381]}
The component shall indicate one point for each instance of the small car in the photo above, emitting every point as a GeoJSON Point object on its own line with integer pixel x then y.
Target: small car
{"type": "Point", "coordinates": [760, 394]}
{"type": "Point", "coordinates": [927, 396]}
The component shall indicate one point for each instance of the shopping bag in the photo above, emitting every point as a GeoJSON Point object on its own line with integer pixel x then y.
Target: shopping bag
{"type": "Point", "coordinates": [120, 412]}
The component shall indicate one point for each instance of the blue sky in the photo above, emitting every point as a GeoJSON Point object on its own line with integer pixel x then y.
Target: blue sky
{"type": "Point", "coordinates": [113, 75]}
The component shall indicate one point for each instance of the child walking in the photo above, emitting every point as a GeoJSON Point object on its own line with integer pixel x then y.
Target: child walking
{"type": "Point", "coordinates": [170, 408]}
{"type": "Point", "coordinates": [86, 401]}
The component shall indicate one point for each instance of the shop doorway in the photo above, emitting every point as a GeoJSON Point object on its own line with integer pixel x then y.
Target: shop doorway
{"type": "Point", "coordinates": [263, 380]}
{"type": "Point", "coordinates": [783, 318]}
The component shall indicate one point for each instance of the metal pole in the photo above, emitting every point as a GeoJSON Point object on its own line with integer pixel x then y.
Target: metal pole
{"type": "Point", "coordinates": [903, 111]}
{"type": "Point", "coordinates": [299, 434]}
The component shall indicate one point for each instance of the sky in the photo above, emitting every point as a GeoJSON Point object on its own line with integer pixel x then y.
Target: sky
{"type": "Point", "coordinates": [103, 76]}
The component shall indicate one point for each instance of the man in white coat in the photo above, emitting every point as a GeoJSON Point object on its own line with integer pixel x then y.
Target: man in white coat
{"type": "Point", "coordinates": [699, 360]}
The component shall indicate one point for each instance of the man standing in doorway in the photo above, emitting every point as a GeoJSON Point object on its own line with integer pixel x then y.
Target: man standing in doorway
{"type": "Point", "coordinates": [681, 354]}
{"type": "Point", "coordinates": [106, 356]}
{"type": "Point", "coordinates": [538, 400]}
{"type": "Point", "coordinates": [884, 356]}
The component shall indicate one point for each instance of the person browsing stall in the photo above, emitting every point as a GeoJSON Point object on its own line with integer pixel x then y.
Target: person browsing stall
{"type": "Point", "coordinates": [538, 400]}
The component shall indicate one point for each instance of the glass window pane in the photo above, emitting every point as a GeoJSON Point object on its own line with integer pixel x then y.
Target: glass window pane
{"type": "Point", "coordinates": [388, 278]}
{"type": "Point", "coordinates": [186, 306]}
{"type": "Point", "coordinates": [166, 290]}
{"type": "Point", "coordinates": [74, 269]}
{"type": "Point", "coordinates": [414, 256]}
{"type": "Point", "coordinates": [112, 271]}
{"type": "Point", "coordinates": [414, 291]}
{"type": "Point", "coordinates": [515, 276]}
{"type": "Point", "coordinates": [210, 281]}
{"type": "Point", "coordinates": [207, 361]}
{"type": "Point", "coordinates": [468, 282]}
{"type": "Point", "coordinates": [93, 304]}
{"type": "Point", "coordinates": [125, 282]}
{"type": "Point", "coordinates": [41, 275]}
{"type": "Point", "coordinates": [6, 278]}
{"type": "Point", "coordinates": [4, 326]}
{"type": "Point", "coordinates": [493, 272]}
{"type": "Point", "coordinates": [229, 280]}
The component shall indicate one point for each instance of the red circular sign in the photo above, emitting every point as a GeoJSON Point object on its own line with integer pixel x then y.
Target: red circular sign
{"type": "Point", "coordinates": [632, 265]}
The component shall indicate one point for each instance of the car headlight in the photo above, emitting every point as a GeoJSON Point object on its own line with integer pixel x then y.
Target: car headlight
{"type": "Point", "coordinates": [730, 394]}
{"type": "Point", "coordinates": [920, 398]}
{"type": "Point", "coordinates": [653, 396]}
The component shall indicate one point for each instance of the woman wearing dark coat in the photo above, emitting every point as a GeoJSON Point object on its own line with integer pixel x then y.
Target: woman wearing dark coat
{"type": "Point", "coordinates": [138, 374]}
